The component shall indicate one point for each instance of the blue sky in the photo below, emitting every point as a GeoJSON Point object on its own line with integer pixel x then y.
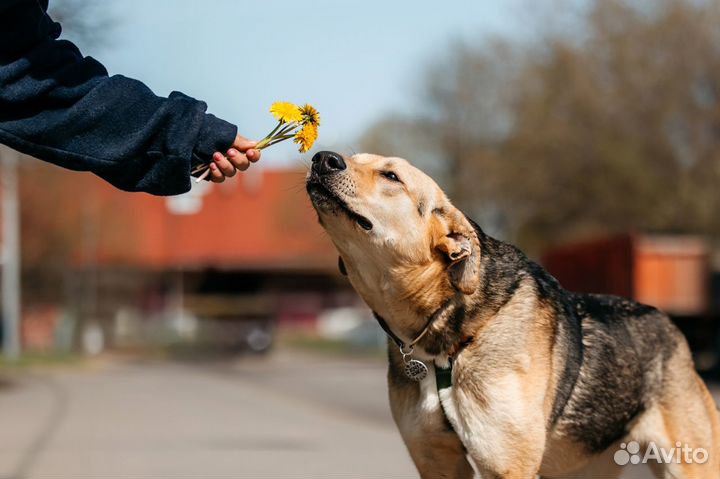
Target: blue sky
{"type": "Point", "coordinates": [354, 61]}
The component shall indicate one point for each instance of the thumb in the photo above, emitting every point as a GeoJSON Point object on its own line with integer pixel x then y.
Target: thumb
{"type": "Point", "coordinates": [243, 144]}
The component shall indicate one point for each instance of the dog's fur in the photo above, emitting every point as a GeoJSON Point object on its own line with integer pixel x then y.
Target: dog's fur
{"type": "Point", "coordinates": [544, 381]}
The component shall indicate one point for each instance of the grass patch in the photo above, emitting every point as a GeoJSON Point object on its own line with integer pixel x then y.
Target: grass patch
{"type": "Point", "coordinates": [33, 360]}
{"type": "Point", "coordinates": [335, 347]}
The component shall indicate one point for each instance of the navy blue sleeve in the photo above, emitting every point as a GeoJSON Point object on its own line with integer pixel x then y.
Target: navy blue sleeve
{"type": "Point", "coordinates": [62, 107]}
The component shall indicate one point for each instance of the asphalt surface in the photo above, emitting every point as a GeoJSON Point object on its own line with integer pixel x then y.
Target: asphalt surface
{"type": "Point", "coordinates": [289, 415]}
{"type": "Point", "coordinates": [120, 419]}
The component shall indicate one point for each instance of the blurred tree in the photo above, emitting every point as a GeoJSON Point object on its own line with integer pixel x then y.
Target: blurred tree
{"type": "Point", "coordinates": [84, 22]}
{"type": "Point", "coordinates": [613, 127]}
{"type": "Point", "coordinates": [407, 136]}
{"type": "Point", "coordinates": [620, 131]}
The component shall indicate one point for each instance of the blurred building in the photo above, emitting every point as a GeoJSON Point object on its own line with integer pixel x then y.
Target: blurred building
{"type": "Point", "coordinates": [671, 272]}
{"type": "Point", "coordinates": [221, 265]}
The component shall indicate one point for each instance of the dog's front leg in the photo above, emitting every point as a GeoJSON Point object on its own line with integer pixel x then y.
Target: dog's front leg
{"type": "Point", "coordinates": [433, 445]}
{"type": "Point", "coordinates": [500, 425]}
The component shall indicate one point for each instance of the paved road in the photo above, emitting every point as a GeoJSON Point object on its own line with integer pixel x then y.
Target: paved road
{"type": "Point", "coordinates": [289, 416]}
{"type": "Point", "coordinates": [160, 420]}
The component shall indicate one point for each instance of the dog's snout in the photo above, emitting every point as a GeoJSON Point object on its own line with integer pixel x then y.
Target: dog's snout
{"type": "Point", "coordinates": [327, 162]}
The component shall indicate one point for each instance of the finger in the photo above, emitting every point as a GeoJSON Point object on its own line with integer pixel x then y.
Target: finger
{"type": "Point", "coordinates": [253, 155]}
{"type": "Point", "coordinates": [225, 166]}
{"type": "Point", "coordinates": [243, 144]}
{"type": "Point", "coordinates": [238, 159]}
{"type": "Point", "coordinates": [216, 175]}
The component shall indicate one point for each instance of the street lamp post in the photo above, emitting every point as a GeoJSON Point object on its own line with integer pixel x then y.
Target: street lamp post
{"type": "Point", "coordinates": [10, 255]}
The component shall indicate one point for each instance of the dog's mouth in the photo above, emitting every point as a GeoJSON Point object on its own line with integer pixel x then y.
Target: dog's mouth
{"type": "Point", "coordinates": [322, 196]}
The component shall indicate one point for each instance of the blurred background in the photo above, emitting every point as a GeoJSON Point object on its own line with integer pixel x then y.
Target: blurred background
{"type": "Point", "coordinates": [211, 335]}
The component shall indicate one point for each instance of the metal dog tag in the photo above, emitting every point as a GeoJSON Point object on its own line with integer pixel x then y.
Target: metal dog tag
{"type": "Point", "coordinates": [415, 370]}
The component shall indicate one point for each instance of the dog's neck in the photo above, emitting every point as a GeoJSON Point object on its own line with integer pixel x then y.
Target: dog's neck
{"type": "Point", "coordinates": [406, 293]}
{"type": "Point", "coordinates": [424, 299]}
{"type": "Point", "coordinates": [406, 307]}
{"type": "Point", "coordinates": [434, 338]}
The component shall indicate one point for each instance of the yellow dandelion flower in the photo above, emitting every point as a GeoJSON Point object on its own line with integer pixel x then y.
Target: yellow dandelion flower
{"type": "Point", "coordinates": [310, 116]}
{"type": "Point", "coordinates": [286, 112]}
{"type": "Point", "coordinates": [306, 137]}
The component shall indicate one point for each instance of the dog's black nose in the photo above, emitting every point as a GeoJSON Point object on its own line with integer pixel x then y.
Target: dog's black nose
{"type": "Point", "coordinates": [327, 162]}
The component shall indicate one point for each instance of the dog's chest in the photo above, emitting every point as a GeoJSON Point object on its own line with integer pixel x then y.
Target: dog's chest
{"type": "Point", "coordinates": [449, 408]}
{"type": "Point", "coordinates": [480, 414]}
{"type": "Point", "coordinates": [434, 401]}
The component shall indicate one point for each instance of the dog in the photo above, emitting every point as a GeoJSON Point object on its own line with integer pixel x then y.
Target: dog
{"type": "Point", "coordinates": [494, 368]}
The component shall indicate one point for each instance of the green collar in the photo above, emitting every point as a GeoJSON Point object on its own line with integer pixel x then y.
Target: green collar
{"type": "Point", "coordinates": [443, 377]}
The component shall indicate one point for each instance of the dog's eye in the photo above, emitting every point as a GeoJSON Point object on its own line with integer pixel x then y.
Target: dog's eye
{"type": "Point", "coordinates": [390, 176]}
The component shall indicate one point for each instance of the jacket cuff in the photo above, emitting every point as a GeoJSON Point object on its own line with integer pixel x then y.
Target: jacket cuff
{"type": "Point", "coordinates": [215, 135]}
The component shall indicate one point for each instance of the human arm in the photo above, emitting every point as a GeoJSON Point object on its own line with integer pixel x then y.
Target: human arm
{"type": "Point", "coordinates": [62, 107]}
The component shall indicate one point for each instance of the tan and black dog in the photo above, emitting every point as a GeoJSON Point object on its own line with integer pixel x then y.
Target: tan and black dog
{"type": "Point", "coordinates": [541, 380]}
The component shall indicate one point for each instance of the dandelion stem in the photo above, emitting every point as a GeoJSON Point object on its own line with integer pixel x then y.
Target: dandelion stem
{"type": "Point", "coordinates": [290, 127]}
{"type": "Point", "coordinates": [280, 139]}
{"type": "Point", "coordinates": [273, 135]}
{"type": "Point", "coordinates": [262, 143]}
{"type": "Point", "coordinates": [203, 176]}
{"type": "Point", "coordinates": [274, 129]}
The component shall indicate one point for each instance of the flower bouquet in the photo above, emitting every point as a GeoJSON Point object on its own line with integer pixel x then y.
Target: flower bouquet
{"type": "Point", "coordinates": [298, 122]}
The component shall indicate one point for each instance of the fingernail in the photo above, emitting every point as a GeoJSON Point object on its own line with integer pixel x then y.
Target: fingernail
{"type": "Point", "coordinates": [213, 166]}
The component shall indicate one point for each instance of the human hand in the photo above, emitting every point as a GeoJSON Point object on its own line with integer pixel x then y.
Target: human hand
{"type": "Point", "coordinates": [238, 157]}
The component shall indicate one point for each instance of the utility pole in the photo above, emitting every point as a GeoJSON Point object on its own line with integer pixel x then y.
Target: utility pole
{"type": "Point", "coordinates": [10, 255]}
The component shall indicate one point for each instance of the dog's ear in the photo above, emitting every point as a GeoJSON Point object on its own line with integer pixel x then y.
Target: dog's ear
{"type": "Point", "coordinates": [341, 266]}
{"type": "Point", "coordinates": [455, 246]}
{"type": "Point", "coordinates": [456, 240]}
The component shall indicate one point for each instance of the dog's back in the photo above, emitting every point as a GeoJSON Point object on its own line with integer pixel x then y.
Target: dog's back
{"type": "Point", "coordinates": [637, 380]}
{"type": "Point", "coordinates": [625, 348]}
